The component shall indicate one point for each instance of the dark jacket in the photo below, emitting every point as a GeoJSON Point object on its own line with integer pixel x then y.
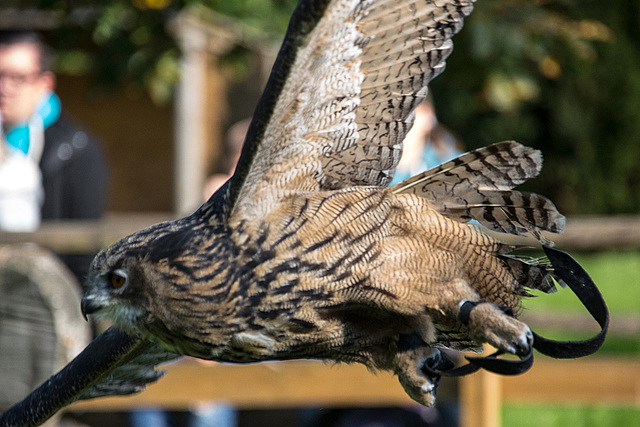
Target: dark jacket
{"type": "Point", "coordinates": [74, 174]}
{"type": "Point", "coordinates": [74, 178]}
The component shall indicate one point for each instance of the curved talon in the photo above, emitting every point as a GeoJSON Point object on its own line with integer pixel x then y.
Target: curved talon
{"type": "Point", "coordinates": [417, 366]}
{"type": "Point", "coordinates": [524, 348]}
{"type": "Point", "coordinates": [495, 324]}
{"type": "Point", "coordinates": [431, 367]}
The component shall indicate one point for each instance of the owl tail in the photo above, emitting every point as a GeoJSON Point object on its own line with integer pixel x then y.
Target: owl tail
{"type": "Point", "coordinates": [532, 273]}
{"type": "Point", "coordinates": [478, 186]}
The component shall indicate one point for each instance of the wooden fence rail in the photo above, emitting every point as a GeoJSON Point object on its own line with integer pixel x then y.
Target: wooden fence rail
{"type": "Point", "coordinates": [273, 385]}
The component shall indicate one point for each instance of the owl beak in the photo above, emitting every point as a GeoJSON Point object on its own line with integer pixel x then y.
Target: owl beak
{"type": "Point", "coordinates": [89, 306]}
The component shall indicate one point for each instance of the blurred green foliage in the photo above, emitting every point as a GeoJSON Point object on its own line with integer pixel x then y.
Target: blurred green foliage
{"type": "Point", "coordinates": [559, 75]}
{"type": "Point", "coordinates": [130, 43]}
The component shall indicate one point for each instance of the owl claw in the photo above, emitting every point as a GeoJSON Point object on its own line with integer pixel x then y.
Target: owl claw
{"type": "Point", "coordinates": [416, 365]}
{"type": "Point", "coordinates": [491, 324]}
{"type": "Point", "coordinates": [524, 344]}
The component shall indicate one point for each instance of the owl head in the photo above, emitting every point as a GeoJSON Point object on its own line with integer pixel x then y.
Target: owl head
{"type": "Point", "coordinates": [125, 277]}
{"type": "Point", "coordinates": [117, 286]}
{"type": "Point", "coordinates": [139, 282]}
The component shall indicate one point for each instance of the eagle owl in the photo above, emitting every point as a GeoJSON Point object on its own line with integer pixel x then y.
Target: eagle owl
{"type": "Point", "coordinates": [306, 252]}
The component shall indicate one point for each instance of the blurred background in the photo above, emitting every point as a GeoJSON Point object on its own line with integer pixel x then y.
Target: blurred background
{"type": "Point", "coordinates": [161, 83]}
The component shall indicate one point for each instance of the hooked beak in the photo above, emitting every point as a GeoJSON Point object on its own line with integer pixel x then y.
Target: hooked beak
{"type": "Point", "coordinates": [89, 306]}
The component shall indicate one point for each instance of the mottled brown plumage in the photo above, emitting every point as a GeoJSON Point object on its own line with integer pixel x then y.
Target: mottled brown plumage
{"type": "Point", "coordinates": [305, 253]}
{"type": "Point", "coordinates": [338, 275]}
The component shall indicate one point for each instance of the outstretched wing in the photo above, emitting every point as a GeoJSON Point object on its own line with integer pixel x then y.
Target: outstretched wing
{"type": "Point", "coordinates": [112, 364]}
{"type": "Point", "coordinates": [334, 113]}
{"type": "Point", "coordinates": [340, 97]}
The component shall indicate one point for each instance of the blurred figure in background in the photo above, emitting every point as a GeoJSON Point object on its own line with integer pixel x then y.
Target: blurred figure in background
{"type": "Point", "coordinates": [427, 144]}
{"type": "Point", "coordinates": [70, 162]}
{"type": "Point", "coordinates": [50, 169]}
{"type": "Point", "coordinates": [233, 141]}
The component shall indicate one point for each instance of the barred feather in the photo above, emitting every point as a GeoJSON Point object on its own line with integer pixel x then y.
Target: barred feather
{"type": "Point", "coordinates": [477, 186]}
{"type": "Point", "coordinates": [500, 166]}
{"type": "Point", "coordinates": [512, 212]}
{"type": "Point", "coordinates": [532, 273]}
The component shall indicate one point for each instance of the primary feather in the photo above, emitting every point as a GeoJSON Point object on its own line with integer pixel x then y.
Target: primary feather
{"type": "Point", "coordinates": [340, 97]}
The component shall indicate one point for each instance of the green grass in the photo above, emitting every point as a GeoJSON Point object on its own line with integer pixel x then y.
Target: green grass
{"type": "Point", "coordinates": [569, 415]}
{"type": "Point", "coordinates": [617, 275]}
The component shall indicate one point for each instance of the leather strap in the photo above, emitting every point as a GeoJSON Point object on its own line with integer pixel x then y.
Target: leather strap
{"type": "Point", "coordinates": [567, 270]}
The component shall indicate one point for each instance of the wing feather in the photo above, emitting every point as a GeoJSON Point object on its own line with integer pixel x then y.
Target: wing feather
{"type": "Point", "coordinates": [340, 98]}
{"type": "Point", "coordinates": [478, 186]}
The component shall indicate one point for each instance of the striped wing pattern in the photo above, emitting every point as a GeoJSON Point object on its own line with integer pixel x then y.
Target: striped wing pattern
{"type": "Point", "coordinates": [340, 98]}
{"type": "Point", "coordinates": [478, 186]}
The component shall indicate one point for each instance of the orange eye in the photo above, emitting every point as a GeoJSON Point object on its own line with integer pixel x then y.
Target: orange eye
{"type": "Point", "coordinates": [117, 280]}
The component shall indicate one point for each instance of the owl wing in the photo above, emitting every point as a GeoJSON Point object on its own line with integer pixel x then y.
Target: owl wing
{"type": "Point", "coordinates": [335, 110]}
{"type": "Point", "coordinates": [340, 97]}
{"type": "Point", "coordinates": [112, 364]}
{"type": "Point", "coordinates": [479, 186]}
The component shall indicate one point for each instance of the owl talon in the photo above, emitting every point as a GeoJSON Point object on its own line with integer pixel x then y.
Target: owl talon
{"type": "Point", "coordinates": [431, 365]}
{"type": "Point", "coordinates": [415, 364]}
{"type": "Point", "coordinates": [496, 325]}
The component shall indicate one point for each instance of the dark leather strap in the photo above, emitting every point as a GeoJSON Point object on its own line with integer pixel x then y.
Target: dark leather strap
{"type": "Point", "coordinates": [567, 270]}
{"type": "Point", "coordinates": [570, 272]}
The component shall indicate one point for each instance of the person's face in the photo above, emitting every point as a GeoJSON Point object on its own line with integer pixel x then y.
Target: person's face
{"type": "Point", "coordinates": [22, 83]}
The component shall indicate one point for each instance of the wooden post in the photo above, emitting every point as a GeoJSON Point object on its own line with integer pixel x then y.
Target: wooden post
{"type": "Point", "coordinates": [480, 400]}
{"type": "Point", "coordinates": [189, 139]}
{"type": "Point", "coordinates": [198, 112]}
{"type": "Point", "coordinates": [480, 397]}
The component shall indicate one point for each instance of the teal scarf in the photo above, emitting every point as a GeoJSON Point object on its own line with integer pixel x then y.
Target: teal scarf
{"type": "Point", "coordinates": [48, 110]}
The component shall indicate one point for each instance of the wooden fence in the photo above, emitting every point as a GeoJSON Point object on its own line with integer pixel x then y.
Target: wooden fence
{"type": "Point", "coordinates": [272, 385]}
{"type": "Point", "coordinates": [307, 383]}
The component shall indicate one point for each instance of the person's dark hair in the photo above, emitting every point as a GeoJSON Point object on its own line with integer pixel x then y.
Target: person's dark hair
{"type": "Point", "coordinates": [13, 37]}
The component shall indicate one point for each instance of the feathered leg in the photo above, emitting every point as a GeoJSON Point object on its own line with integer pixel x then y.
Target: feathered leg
{"type": "Point", "coordinates": [492, 324]}
{"type": "Point", "coordinates": [413, 363]}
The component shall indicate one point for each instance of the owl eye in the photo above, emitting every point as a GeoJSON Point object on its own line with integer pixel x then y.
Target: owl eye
{"type": "Point", "coordinates": [117, 279]}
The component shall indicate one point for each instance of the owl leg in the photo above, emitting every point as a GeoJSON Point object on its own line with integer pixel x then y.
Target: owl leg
{"type": "Point", "coordinates": [486, 322]}
{"type": "Point", "coordinates": [414, 364]}
{"type": "Point", "coordinates": [495, 325]}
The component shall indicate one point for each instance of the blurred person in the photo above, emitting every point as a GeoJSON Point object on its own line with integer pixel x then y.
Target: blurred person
{"type": "Point", "coordinates": [233, 141]}
{"type": "Point", "coordinates": [427, 144]}
{"type": "Point", "coordinates": [50, 168]}
{"type": "Point", "coordinates": [20, 189]}
{"type": "Point", "coordinates": [71, 165]}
